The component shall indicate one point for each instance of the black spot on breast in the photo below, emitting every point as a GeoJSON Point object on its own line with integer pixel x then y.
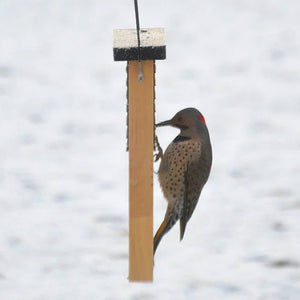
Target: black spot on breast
{"type": "Point", "coordinates": [181, 138]}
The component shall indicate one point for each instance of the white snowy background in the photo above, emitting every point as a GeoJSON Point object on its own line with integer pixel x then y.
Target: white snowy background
{"type": "Point", "coordinates": [64, 169]}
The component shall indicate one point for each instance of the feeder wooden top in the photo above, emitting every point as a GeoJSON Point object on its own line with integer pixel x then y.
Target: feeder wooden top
{"type": "Point", "coordinates": [153, 44]}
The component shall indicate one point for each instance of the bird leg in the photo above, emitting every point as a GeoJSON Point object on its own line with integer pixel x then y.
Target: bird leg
{"type": "Point", "coordinates": [157, 147]}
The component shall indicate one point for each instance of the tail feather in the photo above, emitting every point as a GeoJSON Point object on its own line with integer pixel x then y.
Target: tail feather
{"type": "Point", "coordinates": [165, 226]}
{"type": "Point", "coordinates": [182, 227]}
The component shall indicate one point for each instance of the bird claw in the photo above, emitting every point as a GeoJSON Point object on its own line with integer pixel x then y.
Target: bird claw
{"type": "Point", "coordinates": [157, 146]}
{"type": "Point", "coordinates": [157, 156]}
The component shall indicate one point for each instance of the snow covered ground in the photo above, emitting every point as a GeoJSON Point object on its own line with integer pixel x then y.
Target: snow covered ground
{"type": "Point", "coordinates": [63, 168]}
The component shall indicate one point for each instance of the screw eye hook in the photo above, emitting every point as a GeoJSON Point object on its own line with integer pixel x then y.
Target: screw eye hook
{"type": "Point", "coordinates": [140, 75]}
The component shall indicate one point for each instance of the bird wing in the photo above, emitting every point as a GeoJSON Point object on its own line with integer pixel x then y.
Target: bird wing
{"type": "Point", "coordinates": [193, 186]}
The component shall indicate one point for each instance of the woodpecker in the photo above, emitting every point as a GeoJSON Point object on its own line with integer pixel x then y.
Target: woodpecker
{"type": "Point", "coordinates": [184, 169]}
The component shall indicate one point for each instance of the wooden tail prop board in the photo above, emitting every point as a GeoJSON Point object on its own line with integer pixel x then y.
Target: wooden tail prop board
{"type": "Point", "coordinates": [141, 97]}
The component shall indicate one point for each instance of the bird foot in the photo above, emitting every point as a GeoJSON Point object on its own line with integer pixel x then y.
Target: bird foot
{"type": "Point", "coordinates": [157, 147]}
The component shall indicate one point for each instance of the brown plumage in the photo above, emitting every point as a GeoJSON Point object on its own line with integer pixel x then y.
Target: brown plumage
{"type": "Point", "coordinates": [184, 169]}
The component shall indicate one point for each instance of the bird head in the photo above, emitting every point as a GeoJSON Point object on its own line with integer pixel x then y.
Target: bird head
{"type": "Point", "coordinates": [185, 119]}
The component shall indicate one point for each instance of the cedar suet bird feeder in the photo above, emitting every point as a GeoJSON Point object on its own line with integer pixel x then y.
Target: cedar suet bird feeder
{"type": "Point", "coordinates": [140, 48]}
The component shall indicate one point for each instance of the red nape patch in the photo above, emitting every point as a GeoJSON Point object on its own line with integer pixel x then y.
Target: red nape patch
{"type": "Point", "coordinates": [201, 118]}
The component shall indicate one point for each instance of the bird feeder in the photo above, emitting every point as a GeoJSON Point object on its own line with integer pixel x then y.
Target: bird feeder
{"type": "Point", "coordinates": [140, 52]}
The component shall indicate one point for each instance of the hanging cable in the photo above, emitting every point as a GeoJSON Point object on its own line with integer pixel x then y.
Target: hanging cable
{"type": "Point", "coordinates": [136, 8]}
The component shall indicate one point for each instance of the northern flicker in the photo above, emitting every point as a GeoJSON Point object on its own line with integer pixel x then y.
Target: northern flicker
{"type": "Point", "coordinates": [184, 169]}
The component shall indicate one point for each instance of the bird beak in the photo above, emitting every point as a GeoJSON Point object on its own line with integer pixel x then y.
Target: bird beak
{"type": "Point", "coordinates": [165, 123]}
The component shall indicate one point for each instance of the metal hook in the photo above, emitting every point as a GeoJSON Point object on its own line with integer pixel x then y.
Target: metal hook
{"type": "Point", "coordinates": [140, 75]}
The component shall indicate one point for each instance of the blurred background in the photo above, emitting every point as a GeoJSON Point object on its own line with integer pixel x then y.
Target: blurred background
{"type": "Point", "coordinates": [64, 169]}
